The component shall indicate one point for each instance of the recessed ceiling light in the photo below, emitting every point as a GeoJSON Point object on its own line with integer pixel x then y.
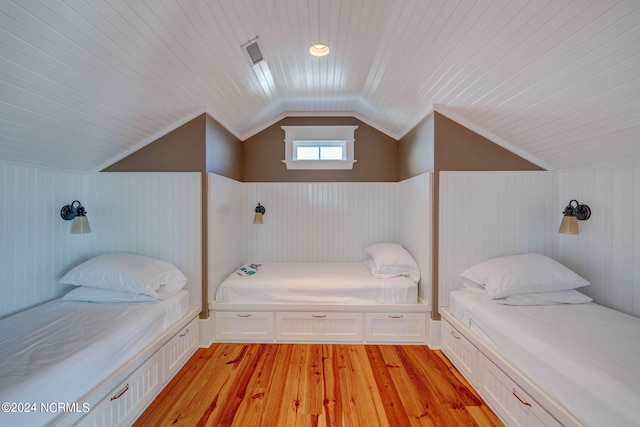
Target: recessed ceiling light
{"type": "Point", "coordinates": [319, 49]}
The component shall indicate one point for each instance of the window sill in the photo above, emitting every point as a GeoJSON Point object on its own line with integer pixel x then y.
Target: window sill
{"type": "Point", "coordinates": [319, 164]}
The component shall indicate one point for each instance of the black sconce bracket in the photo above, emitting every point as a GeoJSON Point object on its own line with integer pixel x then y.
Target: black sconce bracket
{"type": "Point", "coordinates": [581, 212]}
{"type": "Point", "coordinates": [69, 212]}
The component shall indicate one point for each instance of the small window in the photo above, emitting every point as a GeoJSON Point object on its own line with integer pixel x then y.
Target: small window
{"type": "Point", "coordinates": [319, 147]}
{"type": "Point", "coordinates": [319, 150]}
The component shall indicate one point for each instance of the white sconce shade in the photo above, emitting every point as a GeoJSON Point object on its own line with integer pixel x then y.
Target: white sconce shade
{"type": "Point", "coordinates": [80, 225]}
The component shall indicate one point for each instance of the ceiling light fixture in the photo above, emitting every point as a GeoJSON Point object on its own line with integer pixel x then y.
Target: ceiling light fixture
{"type": "Point", "coordinates": [319, 49]}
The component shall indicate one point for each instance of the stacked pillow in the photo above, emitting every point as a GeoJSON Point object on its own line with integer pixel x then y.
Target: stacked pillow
{"type": "Point", "coordinates": [526, 279]}
{"type": "Point", "coordinates": [390, 260]}
{"type": "Point", "coordinates": [123, 277]}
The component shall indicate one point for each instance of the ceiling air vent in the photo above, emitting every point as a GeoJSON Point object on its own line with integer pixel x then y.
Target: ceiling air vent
{"type": "Point", "coordinates": [255, 55]}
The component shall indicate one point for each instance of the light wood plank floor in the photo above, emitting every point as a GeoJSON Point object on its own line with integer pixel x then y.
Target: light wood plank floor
{"type": "Point", "coordinates": [317, 385]}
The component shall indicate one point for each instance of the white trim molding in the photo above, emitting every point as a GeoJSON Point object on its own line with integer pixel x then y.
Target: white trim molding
{"type": "Point", "coordinates": [319, 133]}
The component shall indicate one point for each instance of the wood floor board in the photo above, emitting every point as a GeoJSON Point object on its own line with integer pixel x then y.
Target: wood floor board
{"type": "Point", "coordinates": [343, 385]}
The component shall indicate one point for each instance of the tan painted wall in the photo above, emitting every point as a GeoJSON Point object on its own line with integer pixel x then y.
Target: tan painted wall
{"type": "Point", "coordinates": [182, 150]}
{"type": "Point", "coordinates": [223, 151]}
{"type": "Point", "coordinates": [201, 145]}
{"type": "Point", "coordinates": [375, 152]}
{"type": "Point", "coordinates": [415, 150]}
{"type": "Point", "coordinates": [460, 149]}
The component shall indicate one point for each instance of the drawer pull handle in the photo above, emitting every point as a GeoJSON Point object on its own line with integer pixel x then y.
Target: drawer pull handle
{"type": "Point", "coordinates": [391, 316]}
{"type": "Point", "coordinates": [453, 334]}
{"type": "Point", "coordinates": [318, 316]}
{"type": "Point", "coordinates": [185, 333]}
{"type": "Point", "coordinates": [243, 315]}
{"type": "Point", "coordinates": [524, 402]}
{"type": "Point", "coordinates": [119, 395]}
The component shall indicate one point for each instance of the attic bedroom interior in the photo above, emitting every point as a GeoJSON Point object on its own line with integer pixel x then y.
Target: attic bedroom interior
{"type": "Point", "coordinates": [341, 212]}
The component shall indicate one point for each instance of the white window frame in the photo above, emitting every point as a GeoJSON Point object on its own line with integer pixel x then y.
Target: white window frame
{"type": "Point", "coordinates": [342, 136]}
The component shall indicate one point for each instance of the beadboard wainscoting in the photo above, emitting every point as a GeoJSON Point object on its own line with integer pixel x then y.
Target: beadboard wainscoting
{"type": "Point", "coordinates": [413, 225]}
{"type": "Point", "coordinates": [131, 212]}
{"type": "Point", "coordinates": [228, 225]}
{"type": "Point", "coordinates": [607, 250]}
{"type": "Point", "coordinates": [488, 214]}
{"type": "Point", "coordinates": [320, 222]}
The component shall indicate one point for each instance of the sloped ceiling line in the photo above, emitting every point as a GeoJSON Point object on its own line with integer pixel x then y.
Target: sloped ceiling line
{"type": "Point", "coordinates": [83, 83]}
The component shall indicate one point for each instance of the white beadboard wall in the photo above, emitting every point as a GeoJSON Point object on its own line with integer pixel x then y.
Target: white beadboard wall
{"type": "Point", "coordinates": [319, 222]}
{"type": "Point", "coordinates": [125, 212]}
{"type": "Point", "coordinates": [413, 225]}
{"type": "Point", "coordinates": [489, 214]}
{"type": "Point", "coordinates": [227, 229]}
{"type": "Point", "coordinates": [36, 244]}
{"type": "Point", "coordinates": [607, 250]}
{"type": "Point", "coordinates": [152, 213]}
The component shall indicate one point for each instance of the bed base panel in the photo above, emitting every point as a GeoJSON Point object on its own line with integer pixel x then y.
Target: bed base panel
{"type": "Point", "coordinates": [511, 395]}
{"type": "Point", "coordinates": [311, 323]}
{"type": "Point", "coordinates": [124, 395]}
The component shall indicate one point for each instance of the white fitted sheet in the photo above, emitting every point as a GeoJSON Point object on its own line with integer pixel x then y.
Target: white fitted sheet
{"type": "Point", "coordinates": [585, 356]}
{"type": "Point", "coordinates": [316, 283]}
{"type": "Point", "coordinates": [61, 350]}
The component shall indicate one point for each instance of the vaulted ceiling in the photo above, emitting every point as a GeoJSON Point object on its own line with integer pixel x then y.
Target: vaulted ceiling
{"type": "Point", "coordinates": [84, 82]}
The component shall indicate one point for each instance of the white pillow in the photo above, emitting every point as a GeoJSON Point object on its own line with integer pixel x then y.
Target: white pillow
{"type": "Point", "coordinates": [522, 274]}
{"type": "Point", "coordinates": [391, 259]}
{"type": "Point", "coordinates": [545, 298]}
{"type": "Point", "coordinates": [126, 272]}
{"type": "Point", "coordinates": [87, 294]}
{"type": "Point", "coordinates": [470, 284]}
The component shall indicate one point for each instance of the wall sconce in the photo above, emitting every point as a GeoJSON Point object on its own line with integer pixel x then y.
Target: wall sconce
{"type": "Point", "coordinates": [78, 215]}
{"type": "Point", "coordinates": [572, 214]}
{"type": "Point", "coordinates": [259, 211]}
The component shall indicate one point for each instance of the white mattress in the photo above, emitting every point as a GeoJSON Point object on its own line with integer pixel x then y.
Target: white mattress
{"type": "Point", "coordinates": [61, 350]}
{"type": "Point", "coordinates": [316, 283]}
{"type": "Point", "coordinates": [585, 356]}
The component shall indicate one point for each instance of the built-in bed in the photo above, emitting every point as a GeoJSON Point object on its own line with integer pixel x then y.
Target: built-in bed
{"type": "Point", "coordinates": [372, 301]}
{"type": "Point", "coordinates": [94, 363]}
{"type": "Point", "coordinates": [564, 362]}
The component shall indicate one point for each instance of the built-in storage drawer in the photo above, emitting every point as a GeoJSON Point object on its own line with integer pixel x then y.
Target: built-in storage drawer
{"type": "Point", "coordinates": [128, 399]}
{"type": "Point", "coordinates": [509, 401]}
{"type": "Point", "coordinates": [395, 327]}
{"type": "Point", "coordinates": [312, 326]}
{"type": "Point", "coordinates": [179, 348]}
{"type": "Point", "coordinates": [244, 326]}
{"type": "Point", "coordinates": [461, 352]}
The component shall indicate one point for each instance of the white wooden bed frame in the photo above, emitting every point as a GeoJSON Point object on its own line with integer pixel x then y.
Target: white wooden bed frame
{"type": "Point", "coordinates": [309, 323]}
{"type": "Point", "coordinates": [121, 397]}
{"type": "Point", "coordinates": [515, 399]}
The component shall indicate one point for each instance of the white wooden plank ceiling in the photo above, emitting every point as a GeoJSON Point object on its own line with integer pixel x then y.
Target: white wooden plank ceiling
{"type": "Point", "coordinates": [84, 82]}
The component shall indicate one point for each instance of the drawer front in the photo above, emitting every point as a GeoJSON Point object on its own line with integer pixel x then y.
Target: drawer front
{"type": "Point", "coordinates": [127, 401]}
{"type": "Point", "coordinates": [179, 348]}
{"type": "Point", "coordinates": [461, 352]}
{"type": "Point", "coordinates": [319, 327]}
{"type": "Point", "coordinates": [396, 327]}
{"type": "Point", "coordinates": [244, 326]}
{"type": "Point", "coordinates": [509, 401]}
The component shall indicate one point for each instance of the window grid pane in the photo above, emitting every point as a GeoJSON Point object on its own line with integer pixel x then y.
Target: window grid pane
{"type": "Point", "coordinates": [308, 153]}
{"type": "Point", "coordinates": [331, 153]}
